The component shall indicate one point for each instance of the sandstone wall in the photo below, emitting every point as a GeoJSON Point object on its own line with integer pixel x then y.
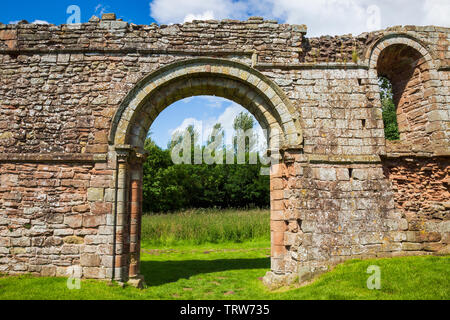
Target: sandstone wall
{"type": "Point", "coordinates": [54, 216]}
{"type": "Point", "coordinates": [69, 196]}
{"type": "Point", "coordinates": [421, 189]}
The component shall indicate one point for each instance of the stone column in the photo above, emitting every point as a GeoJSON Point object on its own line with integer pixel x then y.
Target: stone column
{"type": "Point", "coordinates": [136, 215]}
{"type": "Point", "coordinates": [134, 238]}
{"type": "Point", "coordinates": [121, 217]}
{"type": "Point", "coordinates": [277, 220]}
{"type": "Point", "coordinates": [136, 173]}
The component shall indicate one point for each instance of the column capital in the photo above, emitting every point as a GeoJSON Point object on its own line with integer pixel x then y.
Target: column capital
{"type": "Point", "coordinates": [129, 154]}
{"type": "Point", "coordinates": [124, 152]}
{"type": "Point", "coordinates": [139, 157]}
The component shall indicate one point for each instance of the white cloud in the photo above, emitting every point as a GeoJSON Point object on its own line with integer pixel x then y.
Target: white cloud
{"type": "Point", "coordinates": [213, 102]}
{"type": "Point", "coordinates": [40, 22]}
{"type": "Point", "coordinates": [177, 11]}
{"type": "Point", "coordinates": [208, 101]}
{"type": "Point", "coordinates": [207, 15]}
{"type": "Point", "coordinates": [343, 15]}
{"type": "Point", "coordinates": [437, 12]}
{"type": "Point", "coordinates": [100, 9]}
{"type": "Point", "coordinates": [321, 16]}
{"type": "Point", "coordinates": [34, 22]}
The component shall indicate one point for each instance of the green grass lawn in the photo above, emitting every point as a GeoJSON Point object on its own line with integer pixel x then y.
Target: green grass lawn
{"type": "Point", "coordinates": [233, 271]}
{"type": "Point", "coordinates": [221, 262]}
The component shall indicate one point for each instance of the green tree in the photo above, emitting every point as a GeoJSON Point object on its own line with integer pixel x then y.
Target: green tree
{"type": "Point", "coordinates": [389, 110]}
{"type": "Point", "coordinates": [243, 126]}
{"type": "Point", "coordinates": [170, 187]}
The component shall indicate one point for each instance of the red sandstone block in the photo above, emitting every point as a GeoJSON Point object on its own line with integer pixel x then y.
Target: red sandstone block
{"type": "Point", "coordinates": [277, 205]}
{"type": "Point", "coordinates": [101, 208]}
{"type": "Point", "coordinates": [135, 208]}
{"type": "Point", "coordinates": [93, 273]}
{"type": "Point", "coordinates": [67, 197]}
{"type": "Point", "coordinates": [135, 184]}
{"type": "Point", "coordinates": [47, 168]}
{"type": "Point", "coordinates": [75, 183]}
{"type": "Point", "coordinates": [278, 226]}
{"type": "Point", "coordinates": [82, 176]}
{"type": "Point", "coordinates": [105, 249]}
{"type": "Point", "coordinates": [43, 175]}
{"type": "Point", "coordinates": [75, 221]}
{"type": "Point", "coordinates": [97, 148]}
{"type": "Point", "coordinates": [102, 172]}
{"type": "Point", "coordinates": [101, 137]}
{"type": "Point", "coordinates": [277, 215]}
{"type": "Point", "coordinates": [135, 196]}
{"type": "Point", "coordinates": [81, 208]}
{"type": "Point", "coordinates": [48, 271]}
{"type": "Point", "coordinates": [434, 246]}
{"type": "Point", "coordinates": [90, 260]}
{"type": "Point", "coordinates": [102, 123]}
{"type": "Point", "coordinates": [66, 175]}
{"type": "Point", "coordinates": [276, 184]}
{"type": "Point", "coordinates": [277, 195]}
{"type": "Point", "coordinates": [9, 180]}
{"type": "Point", "coordinates": [93, 221]}
{"type": "Point", "coordinates": [277, 238]}
{"type": "Point", "coordinates": [101, 182]}
{"type": "Point", "coordinates": [278, 251]}
{"type": "Point", "coordinates": [277, 170]}
{"type": "Point", "coordinates": [278, 265]}
{"type": "Point", "coordinates": [62, 210]}
{"type": "Point", "coordinates": [121, 260]}
{"type": "Point", "coordinates": [8, 34]}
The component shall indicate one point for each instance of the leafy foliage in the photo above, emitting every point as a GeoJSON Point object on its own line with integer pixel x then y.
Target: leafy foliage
{"type": "Point", "coordinates": [389, 110]}
{"type": "Point", "coordinates": [168, 187]}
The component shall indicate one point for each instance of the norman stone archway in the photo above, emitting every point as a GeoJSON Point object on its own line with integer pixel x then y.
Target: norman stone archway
{"type": "Point", "coordinates": [205, 76]}
{"type": "Point", "coordinates": [409, 66]}
{"type": "Point", "coordinates": [76, 102]}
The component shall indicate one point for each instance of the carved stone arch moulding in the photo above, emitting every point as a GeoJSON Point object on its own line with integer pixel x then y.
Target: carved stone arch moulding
{"type": "Point", "coordinates": [372, 53]}
{"type": "Point", "coordinates": [205, 76]}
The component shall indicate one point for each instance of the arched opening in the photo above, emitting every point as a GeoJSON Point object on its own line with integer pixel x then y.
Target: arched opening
{"type": "Point", "coordinates": [403, 73]}
{"type": "Point", "coordinates": [389, 108]}
{"type": "Point", "coordinates": [203, 205]}
{"type": "Point", "coordinates": [199, 77]}
{"type": "Point", "coordinates": [218, 129]}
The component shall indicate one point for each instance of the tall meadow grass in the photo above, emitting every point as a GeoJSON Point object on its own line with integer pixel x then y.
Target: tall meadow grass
{"type": "Point", "coordinates": [199, 226]}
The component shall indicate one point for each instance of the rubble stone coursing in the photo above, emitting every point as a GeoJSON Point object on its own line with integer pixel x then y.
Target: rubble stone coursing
{"type": "Point", "coordinates": [77, 100]}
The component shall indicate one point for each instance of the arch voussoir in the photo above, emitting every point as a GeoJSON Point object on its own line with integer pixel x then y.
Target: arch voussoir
{"type": "Point", "coordinates": [204, 77]}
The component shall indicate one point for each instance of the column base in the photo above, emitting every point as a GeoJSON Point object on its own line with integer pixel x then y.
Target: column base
{"type": "Point", "coordinates": [137, 282]}
{"type": "Point", "coordinates": [275, 281]}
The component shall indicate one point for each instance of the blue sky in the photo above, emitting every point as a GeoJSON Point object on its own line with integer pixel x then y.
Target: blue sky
{"type": "Point", "coordinates": [54, 12]}
{"type": "Point", "coordinates": [321, 16]}
{"type": "Point", "coordinates": [203, 112]}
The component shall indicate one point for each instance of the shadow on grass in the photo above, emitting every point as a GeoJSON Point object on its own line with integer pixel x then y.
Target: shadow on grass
{"type": "Point", "coordinates": [157, 273]}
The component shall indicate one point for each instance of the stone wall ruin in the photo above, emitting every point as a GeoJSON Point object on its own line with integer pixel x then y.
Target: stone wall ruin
{"type": "Point", "coordinates": [75, 101]}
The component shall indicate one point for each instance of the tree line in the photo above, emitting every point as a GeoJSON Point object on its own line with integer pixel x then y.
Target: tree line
{"type": "Point", "coordinates": [168, 187]}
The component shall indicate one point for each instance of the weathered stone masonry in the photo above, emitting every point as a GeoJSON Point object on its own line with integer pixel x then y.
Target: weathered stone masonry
{"type": "Point", "coordinates": [77, 100]}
